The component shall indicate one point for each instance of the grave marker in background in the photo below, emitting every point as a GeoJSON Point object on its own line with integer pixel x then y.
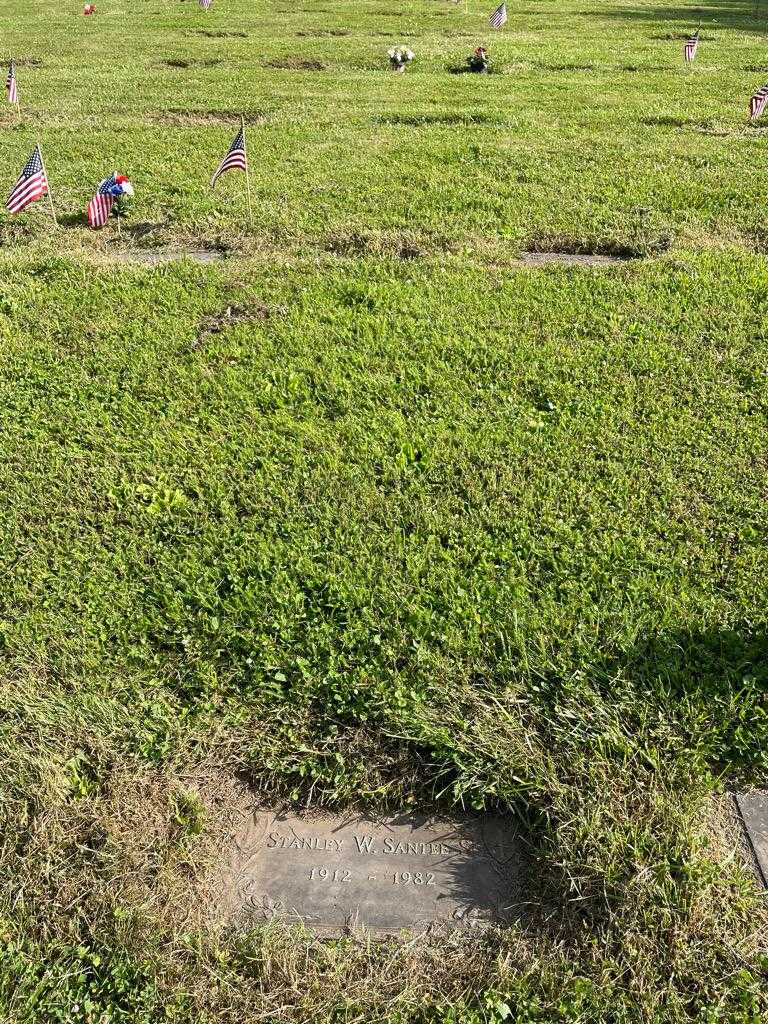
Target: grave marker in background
{"type": "Point", "coordinates": [753, 807]}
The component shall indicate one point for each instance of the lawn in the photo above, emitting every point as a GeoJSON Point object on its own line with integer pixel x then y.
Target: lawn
{"type": "Point", "coordinates": [370, 513]}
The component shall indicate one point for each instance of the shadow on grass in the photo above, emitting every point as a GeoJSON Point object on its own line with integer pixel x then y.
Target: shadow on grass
{"type": "Point", "coordinates": [744, 16]}
{"type": "Point", "coordinates": [73, 220]}
{"type": "Point", "coordinates": [464, 69]}
{"type": "Point", "coordinates": [140, 230]}
{"type": "Point", "coordinates": [714, 685]}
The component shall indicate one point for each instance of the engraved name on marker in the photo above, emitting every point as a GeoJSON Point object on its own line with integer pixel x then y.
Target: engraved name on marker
{"type": "Point", "coordinates": [334, 872]}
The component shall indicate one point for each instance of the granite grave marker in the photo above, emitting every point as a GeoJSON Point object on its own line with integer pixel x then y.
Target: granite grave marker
{"type": "Point", "coordinates": [334, 872]}
{"type": "Point", "coordinates": [753, 807]}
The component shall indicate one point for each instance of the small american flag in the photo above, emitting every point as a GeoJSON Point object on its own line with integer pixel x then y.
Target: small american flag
{"type": "Point", "coordinates": [101, 205]}
{"type": "Point", "coordinates": [691, 45]}
{"type": "Point", "coordinates": [235, 158]}
{"type": "Point", "coordinates": [499, 17]}
{"type": "Point", "coordinates": [757, 103]}
{"type": "Point", "coordinates": [205, 4]}
{"type": "Point", "coordinates": [10, 85]}
{"type": "Point", "coordinates": [32, 184]}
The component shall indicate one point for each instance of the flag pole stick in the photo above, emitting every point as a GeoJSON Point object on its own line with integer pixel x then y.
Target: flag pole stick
{"type": "Point", "coordinates": [48, 183]}
{"type": "Point", "coordinates": [247, 173]}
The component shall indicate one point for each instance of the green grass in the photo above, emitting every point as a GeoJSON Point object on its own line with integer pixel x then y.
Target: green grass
{"type": "Point", "coordinates": [566, 141]}
{"type": "Point", "coordinates": [413, 525]}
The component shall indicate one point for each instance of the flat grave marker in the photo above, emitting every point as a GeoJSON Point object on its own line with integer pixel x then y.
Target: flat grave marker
{"type": "Point", "coordinates": [753, 807]}
{"type": "Point", "coordinates": [339, 872]}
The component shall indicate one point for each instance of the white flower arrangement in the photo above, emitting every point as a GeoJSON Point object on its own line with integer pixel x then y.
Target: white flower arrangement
{"type": "Point", "coordinates": [399, 56]}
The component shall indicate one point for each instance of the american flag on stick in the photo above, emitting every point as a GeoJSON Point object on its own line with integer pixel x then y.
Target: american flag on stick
{"type": "Point", "coordinates": [10, 85]}
{"type": "Point", "coordinates": [499, 17]}
{"type": "Point", "coordinates": [757, 103]}
{"type": "Point", "coordinates": [31, 185]}
{"type": "Point", "coordinates": [235, 159]}
{"type": "Point", "coordinates": [691, 45]}
{"type": "Point", "coordinates": [101, 205]}
{"type": "Point", "coordinates": [205, 4]}
{"type": "Point", "coordinates": [111, 191]}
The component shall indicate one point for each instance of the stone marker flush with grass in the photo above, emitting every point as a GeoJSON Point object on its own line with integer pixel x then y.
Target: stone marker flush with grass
{"type": "Point", "coordinates": [753, 808]}
{"type": "Point", "coordinates": [333, 872]}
